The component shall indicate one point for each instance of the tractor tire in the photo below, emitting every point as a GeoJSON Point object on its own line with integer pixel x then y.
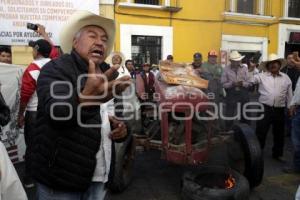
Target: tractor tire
{"type": "Point", "coordinates": [192, 190]}
{"type": "Point", "coordinates": [121, 170]}
{"type": "Point", "coordinates": [254, 163]}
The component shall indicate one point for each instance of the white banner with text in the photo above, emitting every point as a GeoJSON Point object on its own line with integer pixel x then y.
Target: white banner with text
{"type": "Point", "coordinates": [15, 14]}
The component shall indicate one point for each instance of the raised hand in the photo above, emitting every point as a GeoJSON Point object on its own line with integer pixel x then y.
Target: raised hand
{"type": "Point", "coordinates": [100, 87]}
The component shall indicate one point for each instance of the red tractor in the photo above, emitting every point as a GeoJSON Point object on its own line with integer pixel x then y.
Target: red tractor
{"type": "Point", "coordinates": [195, 142]}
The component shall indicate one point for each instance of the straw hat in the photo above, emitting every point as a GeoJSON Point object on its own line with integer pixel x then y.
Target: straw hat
{"type": "Point", "coordinates": [116, 53]}
{"type": "Point", "coordinates": [272, 57]}
{"type": "Point", "coordinates": [236, 56]}
{"type": "Point", "coordinates": [81, 19]}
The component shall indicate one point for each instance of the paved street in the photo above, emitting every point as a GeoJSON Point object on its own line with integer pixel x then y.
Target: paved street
{"type": "Point", "coordinates": [155, 179]}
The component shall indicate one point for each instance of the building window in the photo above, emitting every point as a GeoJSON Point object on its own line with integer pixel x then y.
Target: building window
{"type": "Point", "coordinates": [253, 7]}
{"type": "Point", "coordinates": [294, 8]}
{"type": "Point", "coordinates": [149, 2]}
{"type": "Point", "coordinates": [246, 6]}
{"type": "Point", "coordinates": [146, 49]}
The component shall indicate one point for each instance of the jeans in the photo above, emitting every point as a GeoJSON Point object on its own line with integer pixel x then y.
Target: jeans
{"type": "Point", "coordinates": [288, 123]}
{"type": "Point", "coordinates": [296, 138]}
{"type": "Point", "coordinates": [30, 121]}
{"type": "Point", "coordinates": [95, 192]}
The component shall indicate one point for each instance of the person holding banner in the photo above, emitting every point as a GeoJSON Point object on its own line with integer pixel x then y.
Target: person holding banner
{"type": "Point", "coordinates": [71, 158]}
{"type": "Point", "coordinates": [29, 101]}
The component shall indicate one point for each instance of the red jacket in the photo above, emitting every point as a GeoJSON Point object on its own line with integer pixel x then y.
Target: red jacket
{"type": "Point", "coordinates": [29, 79]}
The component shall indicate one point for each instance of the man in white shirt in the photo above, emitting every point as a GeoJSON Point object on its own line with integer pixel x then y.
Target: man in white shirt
{"type": "Point", "coordinates": [275, 90]}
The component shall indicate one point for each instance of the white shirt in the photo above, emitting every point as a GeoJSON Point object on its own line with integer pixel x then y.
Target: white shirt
{"type": "Point", "coordinates": [123, 71]}
{"type": "Point", "coordinates": [155, 72]}
{"type": "Point", "coordinates": [103, 156]}
{"type": "Point", "coordinates": [274, 91]}
{"type": "Point", "coordinates": [130, 100]}
{"type": "Point", "coordinates": [298, 194]}
{"type": "Point", "coordinates": [296, 98]}
{"type": "Point", "coordinates": [253, 73]}
{"type": "Point", "coordinates": [10, 184]}
{"type": "Point", "coordinates": [33, 102]}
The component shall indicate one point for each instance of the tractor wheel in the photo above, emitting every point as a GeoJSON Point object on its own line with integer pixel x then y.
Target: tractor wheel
{"type": "Point", "coordinates": [121, 169]}
{"type": "Point", "coordinates": [251, 159]}
{"type": "Point", "coordinates": [208, 183]}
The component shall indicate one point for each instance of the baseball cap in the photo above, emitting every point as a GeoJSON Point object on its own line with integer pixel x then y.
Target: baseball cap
{"type": "Point", "coordinates": [169, 57]}
{"type": "Point", "coordinates": [197, 56]}
{"type": "Point", "coordinates": [42, 46]}
{"type": "Point", "coordinates": [212, 53]}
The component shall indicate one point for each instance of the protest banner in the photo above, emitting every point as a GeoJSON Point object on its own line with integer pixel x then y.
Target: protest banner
{"type": "Point", "coordinates": [11, 136]}
{"type": "Point", "coordinates": [15, 14]}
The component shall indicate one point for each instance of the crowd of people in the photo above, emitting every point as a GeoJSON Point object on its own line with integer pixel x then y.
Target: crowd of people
{"type": "Point", "coordinates": [69, 157]}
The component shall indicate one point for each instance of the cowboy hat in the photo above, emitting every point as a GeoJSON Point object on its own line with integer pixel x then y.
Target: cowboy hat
{"type": "Point", "coordinates": [272, 57]}
{"type": "Point", "coordinates": [81, 19]}
{"type": "Point", "coordinates": [116, 53]}
{"type": "Point", "coordinates": [236, 56]}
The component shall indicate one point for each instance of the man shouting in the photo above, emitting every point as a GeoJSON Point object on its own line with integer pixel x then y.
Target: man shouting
{"type": "Point", "coordinates": [71, 156]}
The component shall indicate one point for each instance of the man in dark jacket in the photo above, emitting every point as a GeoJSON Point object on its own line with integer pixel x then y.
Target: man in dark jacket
{"type": "Point", "coordinates": [293, 73]}
{"type": "Point", "coordinates": [291, 70]}
{"type": "Point", "coordinates": [70, 149]}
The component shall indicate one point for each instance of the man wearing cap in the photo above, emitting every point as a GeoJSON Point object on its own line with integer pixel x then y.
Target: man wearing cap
{"type": "Point", "coordinates": [145, 89]}
{"type": "Point", "coordinates": [236, 81]}
{"type": "Point", "coordinates": [29, 101]}
{"type": "Point", "coordinates": [214, 72]}
{"type": "Point", "coordinates": [197, 62]}
{"type": "Point", "coordinates": [275, 94]}
{"type": "Point", "coordinates": [72, 146]}
{"type": "Point", "coordinates": [170, 58]}
{"type": "Point", "coordinates": [211, 66]}
{"type": "Point", "coordinates": [145, 83]}
{"type": "Point", "coordinates": [41, 30]}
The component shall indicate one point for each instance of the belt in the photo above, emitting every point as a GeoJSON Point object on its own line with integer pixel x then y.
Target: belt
{"type": "Point", "coordinates": [273, 107]}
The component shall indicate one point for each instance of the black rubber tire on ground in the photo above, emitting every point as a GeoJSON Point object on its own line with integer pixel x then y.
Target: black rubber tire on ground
{"type": "Point", "coordinates": [191, 190]}
{"type": "Point", "coordinates": [122, 162]}
{"type": "Point", "coordinates": [254, 163]}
